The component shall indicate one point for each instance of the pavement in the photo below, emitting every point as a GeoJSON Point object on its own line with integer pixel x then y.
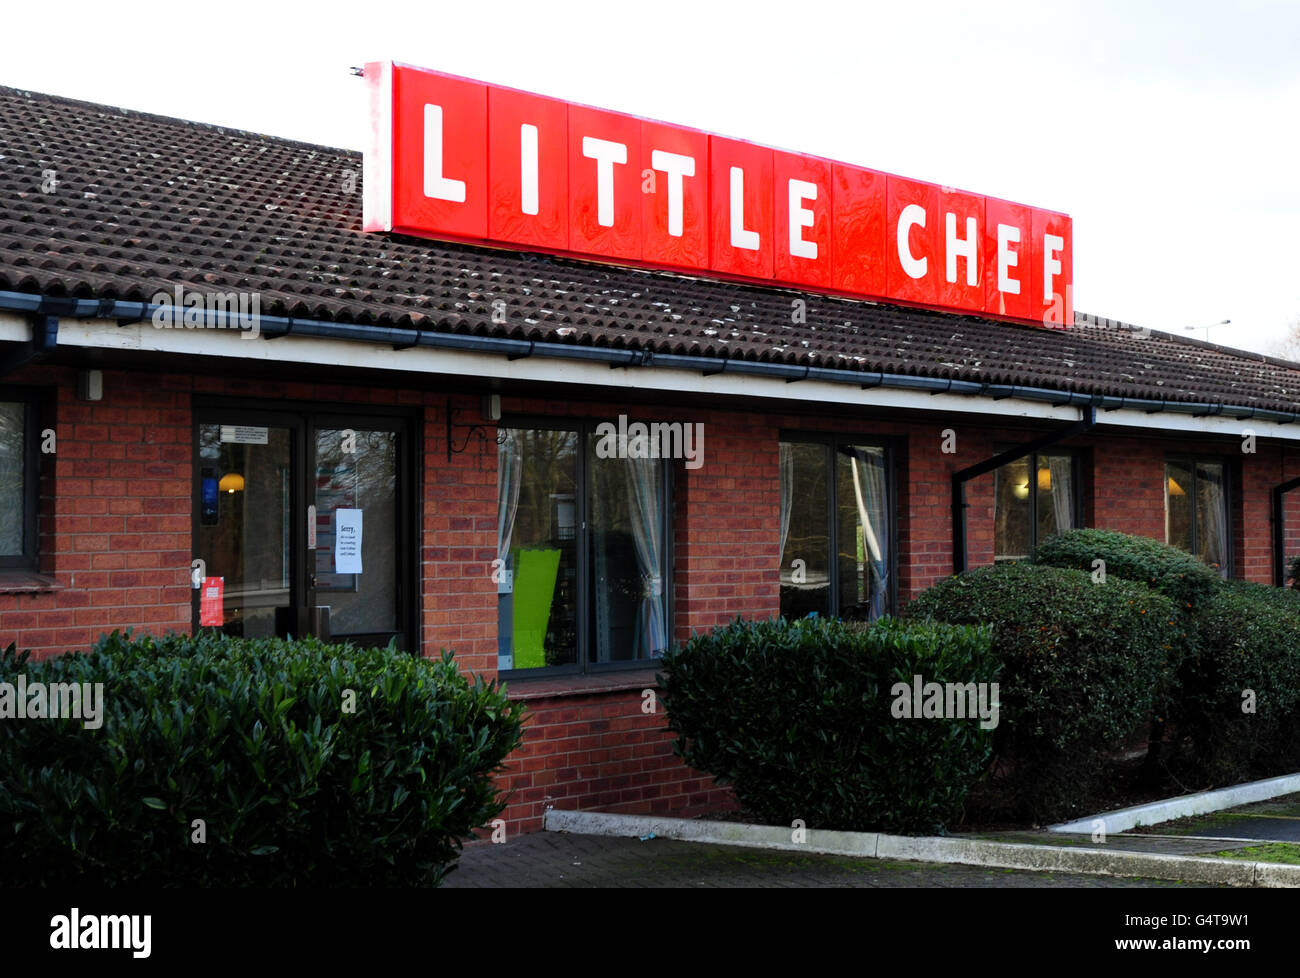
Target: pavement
{"type": "Point", "coordinates": [562, 859]}
{"type": "Point", "coordinates": [593, 850]}
{"type": "Point", "coordinates": [1274, 820]}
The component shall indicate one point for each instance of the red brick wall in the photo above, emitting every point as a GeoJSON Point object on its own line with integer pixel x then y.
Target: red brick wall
{"type": "Point", "coordinates": [115, 515]}
{"type": "Point", "coordinates": [728, 525]}
{"type": "Point", "coordinates": [459, 541]}
{"type": "Point", "coordinates": [601, 751]}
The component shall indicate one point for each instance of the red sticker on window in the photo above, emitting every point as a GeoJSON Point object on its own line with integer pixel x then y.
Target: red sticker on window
{"type": "Point", "coordinates": [212, 602]}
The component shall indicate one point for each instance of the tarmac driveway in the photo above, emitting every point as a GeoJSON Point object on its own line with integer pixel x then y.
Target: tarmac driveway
{"type": "Point", "coordinates": [558, 859]}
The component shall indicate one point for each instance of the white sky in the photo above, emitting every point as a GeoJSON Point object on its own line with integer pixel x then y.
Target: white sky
{"type": "Point", "coordinates": [1169, 131]}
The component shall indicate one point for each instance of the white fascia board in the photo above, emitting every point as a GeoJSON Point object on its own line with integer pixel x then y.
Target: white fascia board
{"type": "Point", "coordinates": [1179, 424]}
{"type": "Point", "coordinates": [14, 328]}
{"type": "Point", "coordinates": [144, 337]}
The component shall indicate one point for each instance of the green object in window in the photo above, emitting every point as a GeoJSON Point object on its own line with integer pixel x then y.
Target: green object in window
{"type": "Point", "coordinates": [534, 590]}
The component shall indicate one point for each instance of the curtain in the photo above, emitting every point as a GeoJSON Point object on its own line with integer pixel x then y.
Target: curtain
{"type": "Point", "coordinates": [787, 494]}
{"type": "Point", "coordinates": [1211, 516]}
{"type": "Point", "coordinates": [869, 489]}
{"type": "Point", "coordinates": [645, 505]}
{"type": "Point", "coordinates": [510, 476]}
{"type": "Point", "coordinates": [1062, 475]}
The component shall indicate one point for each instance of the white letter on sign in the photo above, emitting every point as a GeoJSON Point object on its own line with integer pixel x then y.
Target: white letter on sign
{"type": "Point", "coordinates": [606, 154]}
{"type": "Point", "coordinates": [1007, 259]}
{"type": "Point", "coordinates": [528, 168]}
{"type": "Point", "coordinates": [1051, 265]}
{"type": "Point", "coordinates": [912, 214]}
{"type": "Point", "coordinates": [740, 238]}
{"type": "Point", "coordinates": [435, 184]}
{"type": "Point", "coordinates": [676, 166]}
{"type": "Point", "coordinates": [966, 249]}
{"type": "Point", "coordinates": [801, 217]}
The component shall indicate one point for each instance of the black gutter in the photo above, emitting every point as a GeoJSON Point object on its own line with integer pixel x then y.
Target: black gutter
{"type": "Point", "coordinates": [45, 327]}
{"type": "Point", "coordinates": [45, 337]}
{"type": "Point", "coordinates": [960, 478]}
{"type": "Point", "coordinates": [1279, 529]}
{"type": "Point", "coordinates": [272, 327]}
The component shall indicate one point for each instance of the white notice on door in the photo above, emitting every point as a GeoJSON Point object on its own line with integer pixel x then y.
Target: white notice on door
{"type": "Point", "coordinates": [243, 434]}
{"type": "Point", "coordinates": [347, 541]}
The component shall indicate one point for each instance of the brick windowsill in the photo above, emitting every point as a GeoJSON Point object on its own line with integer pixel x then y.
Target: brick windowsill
{"type": "Point", "coordinates": [610, 682]}
{"type": "Point", "coordinates": [26, 582]}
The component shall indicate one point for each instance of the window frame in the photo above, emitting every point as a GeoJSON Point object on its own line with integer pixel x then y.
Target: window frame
{"type": "Point", "coordinates": [585, 429]}
{"type": "Point", "coordinates": [832, 441]}
{"type": "Point", "coordinates": [1191, 461]}
{"type": "Point", "coordinates": [34, 403]}
{"type": "Point", "coordinates": [1076, 497]}
{"type": "Point", "coordinates": [304, 416]}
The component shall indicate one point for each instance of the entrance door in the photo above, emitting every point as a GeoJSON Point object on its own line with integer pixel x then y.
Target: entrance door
{"type": "Point", "coordinates": [302, 525]}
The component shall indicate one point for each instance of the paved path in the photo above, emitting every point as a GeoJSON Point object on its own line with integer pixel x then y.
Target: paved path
{"type": "Point", "coordinates": [560, 859]}
{"type": "Point", "coordinates": [1260, 828]}
{"type": "Point", "coordinates": [1275, 820]}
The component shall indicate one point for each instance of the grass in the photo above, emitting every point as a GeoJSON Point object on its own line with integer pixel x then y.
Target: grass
{"type": "Point", "coordinates": [1273, 852]}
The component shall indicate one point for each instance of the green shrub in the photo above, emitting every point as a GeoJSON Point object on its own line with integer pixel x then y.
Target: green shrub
{"type": "Point", "coordinates": [1284, 599]}
{"type": "Point", "coordinates": [1164, 568]}
{"type": "Point", "coordinates": [1249, 641]}
{"type": "Point", "coordinates": [309, 764]}
{"type": "Point", "coordinates": [797, 715]}
{"type": "Point", "coordinates": [1083, 665]}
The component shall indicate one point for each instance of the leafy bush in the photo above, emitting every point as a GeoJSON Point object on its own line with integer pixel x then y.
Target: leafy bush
{"type": "Point", "coordinates": [1166, 569]}
{"type": "Point", "coordinates": [1083, 665]}
{"type": "Point", "coordinates": [1283, 599]}
{"type": "Point", "coordinates": [1242, 687]}
{"type": "Point", "coordinates": [309, 764]}
{"type": "Point", "coordinates": [798, 716]}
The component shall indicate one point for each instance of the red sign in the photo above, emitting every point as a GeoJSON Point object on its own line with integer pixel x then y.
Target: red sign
{"type": "Point", "coordinates": [459, 160]}
{"type": "Point", "coordinates": [212, 603]}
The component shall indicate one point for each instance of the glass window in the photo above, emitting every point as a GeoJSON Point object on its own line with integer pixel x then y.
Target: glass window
{"type": "Point", "coordinates": [358, 472]}
{"type": "Point", "coordinates": [1033, 497]}
{"type": "Point", "coordinates": [1196, 510]}
{"type": "Point", "coordinates": [13, 477]}
{"type": "Point", "coordinates": [844, 510]}
{"type": "Point", "coordinates": [19, 483]}
{"type": "Point", "coordinates": [565, 513]}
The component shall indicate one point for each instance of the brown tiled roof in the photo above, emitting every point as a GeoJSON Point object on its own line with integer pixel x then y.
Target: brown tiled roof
{"type": "Point", "coordinates": [144, 203]}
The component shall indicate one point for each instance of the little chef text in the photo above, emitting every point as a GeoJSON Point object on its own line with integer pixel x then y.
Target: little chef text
{"type": "Point", "coordinates": [461, 160]}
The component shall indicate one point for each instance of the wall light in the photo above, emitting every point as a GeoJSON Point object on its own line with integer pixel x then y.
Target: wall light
{"type": "Point", "coordinates": [231, 482]}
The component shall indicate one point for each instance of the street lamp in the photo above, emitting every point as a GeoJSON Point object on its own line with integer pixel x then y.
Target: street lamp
{"type": "Point", "coordinates": [1207, 329]}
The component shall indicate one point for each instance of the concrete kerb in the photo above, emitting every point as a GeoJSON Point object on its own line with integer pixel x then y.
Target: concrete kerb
{"type": "Point", "coordinates": [970, 852]}
{"type": "Point", "coordinates": [1124, 819]}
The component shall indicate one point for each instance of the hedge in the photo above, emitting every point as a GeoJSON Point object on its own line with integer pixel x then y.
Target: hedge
{"type": "Point", "coordinates": [232, 762]}
{"type": "Point", "coordinates": [799, 716]}
{"type": "Point", "coordinates": [1242, 686]}
{"type": "Point", "coordinates": [1164, 568]}
{"type": "Point", "coordinates": [1083, 666]}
